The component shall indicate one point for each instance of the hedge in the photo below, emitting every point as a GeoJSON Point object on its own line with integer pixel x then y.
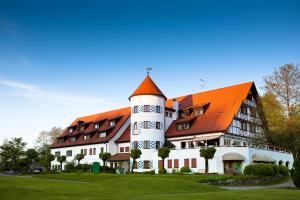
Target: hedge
{"type": "Point", "coordinates": [259, 170]}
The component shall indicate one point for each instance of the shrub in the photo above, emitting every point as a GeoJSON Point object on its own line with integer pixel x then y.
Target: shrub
{"type": "Point", "coordinates": [283, 170]}
{"type": "Point", "coordinates": [85, 167]}
{"type": "Point", "coordinates": [70, 167]}
{"type": "Point", "coordinates": [295, 172]}
{"type": "Point", "coordinates": [162, 171]}
{"type": "Point", "coordinates": [107, 169]}
{"type": "Point", "coordinates": [259, 170]}
{"type": "Point", "coordinates": [275, 169]}
{"type": "Point", "coordinates": [185, 170]}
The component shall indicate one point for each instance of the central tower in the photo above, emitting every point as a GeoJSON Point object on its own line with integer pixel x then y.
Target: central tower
{"type": "Point", "coordinates": [147, 122]}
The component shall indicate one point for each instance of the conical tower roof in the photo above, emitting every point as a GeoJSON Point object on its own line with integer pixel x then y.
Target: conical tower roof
{"type": "Point", "coordinates": [148, 87]}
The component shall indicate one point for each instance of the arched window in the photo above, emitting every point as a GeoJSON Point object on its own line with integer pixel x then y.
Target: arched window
{"type": "Point", "coordinates": [280, 162]}
{"type": "Point", "coordinates": [135, 126]}
{"type": "Point", "coordinates": [287, 163]}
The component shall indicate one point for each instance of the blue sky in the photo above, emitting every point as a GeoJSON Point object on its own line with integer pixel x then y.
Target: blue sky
{"type": "Point", "coordinates": [64, 59]}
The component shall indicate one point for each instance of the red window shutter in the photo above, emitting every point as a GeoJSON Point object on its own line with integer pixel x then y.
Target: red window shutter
{"type": "Point", "coordinates": [186, 162]}
{"type": "Point", "coordinates": [176, 163]}
{"type": "Point", "coordinates": [122, 149]}
{"type": "Point", "coordinates": [194, 163]}
{"type": "Point", "coordinates": [169, 164]}
{"type": "Point", "coordinates": [159, 164]}
{"type": "Point", "coordinates": [126, 149]}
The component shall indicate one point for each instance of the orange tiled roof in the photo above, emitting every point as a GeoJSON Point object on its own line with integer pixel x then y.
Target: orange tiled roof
{"type": "Point", "coordinates": [147, 87]}
{"type": "Point", "coordinates": [125, 137]}
{"type": "Point", "coordinates": [120, 157]}
{"type": "Point", "coordinates": [224, 103]}
{"type": "Point", "coordinates": [123, 114]}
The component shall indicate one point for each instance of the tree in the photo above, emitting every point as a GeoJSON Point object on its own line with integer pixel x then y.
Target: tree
{"type": "Point", "coordinates": [48, 137]}
{"type": "Point", "coordinates": [79, 157]}
{"type": "Point", "coordinates": [33, 155]}
{"type": "Point", "coordinates": [295, 172]}
{"type": "Point", "coordinates": [163, 153]}
{"type": "Point", "coordinates": [135, 154]}
{"type": "Point", "coordinates": [61, 160]}
{"type": "Point", "coordinates": [284, 83]}
{"type": "Point", "coordinates": [207, 153]}
{"type": "Point", "coordinates": [46, 158]}
{"type": "Point", "coordinates": [11, 151]}
{"type": "Point", "coordinates": [104, 156]}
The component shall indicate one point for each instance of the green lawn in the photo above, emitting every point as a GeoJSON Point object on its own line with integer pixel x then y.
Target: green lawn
{"type": "Point", "coordinates": [110, 186]}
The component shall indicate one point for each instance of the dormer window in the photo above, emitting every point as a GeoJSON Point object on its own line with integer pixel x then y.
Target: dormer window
{"type": "Point", "coordinates": [70, 130]}
{"type": "Point", "coordinates": [97, 125]}
{"type": "Point", "coordinates": [81, 129]}
{"type": "Point", "coordinates": [86, 137]}
{"type": "Point", "coordinates": [112, 123]}
{"type": "Point", "coordinates": [183, 126]}
{"type": "Point", "coordinates": [199, 111]}
{"type": "Point", "coordinates": [102, 134]}
{"type": "Point", "coordinates": [73, 139]}
{"type": "Point", "coordinates": [60, 140]}
{"type": "Point", "coordinates": [185, 113]}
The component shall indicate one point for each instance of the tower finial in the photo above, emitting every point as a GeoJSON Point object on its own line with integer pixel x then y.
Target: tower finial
{"type": "Point", "coordinates": [148, 70]}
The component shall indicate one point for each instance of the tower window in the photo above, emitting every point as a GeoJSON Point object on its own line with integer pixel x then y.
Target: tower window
{"type": "Point", "coordinates": [135, 126]}
{"type": "Point", "coordinates": [167, 114]}
{"type": "Point", "coordinates": [157, 109]}
{"type": "Point", "coordinates": [146, 144]}
{"type": "Point", "coordinates": [146, 108]}
{"type": "Point", "coordinates": [146, 124]}
{"type": "Point", "coordinates": [157, 145]}
{"type": "Point", "coordinates": [135, 109]}
{"type": "Point", "coordinates": [157, 125]}
{"type": "Point", "coordinates": [135, 144]}
{"type": "Point", "coordinates": [171, 115]}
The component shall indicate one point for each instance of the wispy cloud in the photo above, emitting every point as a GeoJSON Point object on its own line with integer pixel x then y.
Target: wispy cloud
{"type": "Point", "coordinates": [35, 93]}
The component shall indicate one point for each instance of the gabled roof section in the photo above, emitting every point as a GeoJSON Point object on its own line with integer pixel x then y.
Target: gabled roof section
{"type": "Point", "coordinates": [125, 137]}
{"type": "Point", "coordinates": [148, 87]}
{"type": "Point", "coordinates": [89, 121]}
{"type": "Point", "coordinates": [224, 104]}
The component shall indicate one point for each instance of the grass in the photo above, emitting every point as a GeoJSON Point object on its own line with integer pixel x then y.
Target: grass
{"type": "Point", "coordinates": [110, 186]}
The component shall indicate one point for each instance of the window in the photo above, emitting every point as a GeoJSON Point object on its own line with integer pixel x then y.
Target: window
{"type": "Point", "coordinates": [135, 126]}
{"type": "Point", "coordinates": [146, 108]}
{"type": "Point", "coordinates": [81, 129]}
{"type": "Point", "coordinates": [227, 142]}
{"type": "Point", "coordinates": [185, 113]}
{"type": "Point", "coordinates": [102, 134]}
{"type": "Point", "coordinates": [194, 163]}
{"type": "Point", "coordinates": [111, 165]}
{"type": "Point", "coordinates": [157, 109]}
{"type": "Point", "coordinates": [135, 109]}
{"type": "Point", "coordinates": [186, 162]}
{"type": "Point", "coordinates": [157, 125]}
{"type": "Point", "coordinates": [70, 130]}
{"type": "Point", "coordinates": [81, 151]}
{"type": "Point", "coordinates": [157, 144]}
{"type": "Point", "coordinates": [135, 145]}
{"type": "Point", "coordinates": [146, 124]}
{"type": "Point", "coordinates": [176, 163]}
{"type": "Point", "coordinates": [85, 152]}
{"type": "Point", "coordinates": [171, 115]}
{"type": "Point", "coordinates": [244, 110]}
{"type": "Point", "coordinates": [94, 151]}
{"type": "Point", "coordinates": [112, 123]}
{"type": "Point", "coordinates": [252, 128]}
{"type": "Point", "coordinates": [146, 164]}
{"type": "Point", "coordinates": [244, 126]}
{"type": "Point", "coordinates": [60, 140]}
{"type": "Point", "coordinates": [69, 153]}
{"type": "Point", "coordinates": [101, 149]}
{"type": "Point", "coordinates": [169, 164]}
{"type": "Point", "coordinates": [146, 144]}
{"type": "Point", "coordinates": [86, 137]}
{"type": "Point", "coordinates": [183, 126]}
{"type": "Point", "coordinates": [97, 125]}
{"type": "Point", "coordinates": [73, 139]}
{"type": "Point", "coordinates": [121, 149]}
{"type": "Point", "coordinates": [167, 114]}
{"type": "Point", "coordinates": [199, 111]}
{"type": "Point", "coordinates": [236, 143]}
{"type": "Point", "coordinates": [183, 145]}
{"type": "Point", "coordinates": [91, 151]}
{"type": "Point", "coordinates": [126, 149]}
{"type": "Point", "coordinates": [252, 112]}
{"type": "Point", "coordinates": [57, 153]}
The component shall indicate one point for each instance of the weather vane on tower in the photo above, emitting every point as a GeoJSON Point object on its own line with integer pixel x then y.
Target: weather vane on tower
{"type": "Point", "coordinates": [148, 70]}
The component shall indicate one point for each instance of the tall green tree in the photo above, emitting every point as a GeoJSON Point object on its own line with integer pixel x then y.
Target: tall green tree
{"type": "Point", "coordinates": [284, 83]}
{"type": "Point", "coordinates": [295, 172]}
{"type": "Point", "coordinates": [135, 154]}
{"type": "Point", "coordinates": [104, 156]}
{"type": "Point", "coordinates": [46, 158]}
{"type": "Point", "coordinates": [163, 153]}
{"type": "Point", "coordinates": [11, 151]}
{"type": "Point", "coordinates": [61, 160]}
{"type": "Point", "coordinates": [33, 156]}
{"type": "Point", "coordinates": [207, 153]}
{"type": "Point", "coordinates": [79, 157]}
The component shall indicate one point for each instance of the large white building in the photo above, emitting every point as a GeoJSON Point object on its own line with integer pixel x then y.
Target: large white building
{"type": "Point", "coordinates": [226, 118]}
